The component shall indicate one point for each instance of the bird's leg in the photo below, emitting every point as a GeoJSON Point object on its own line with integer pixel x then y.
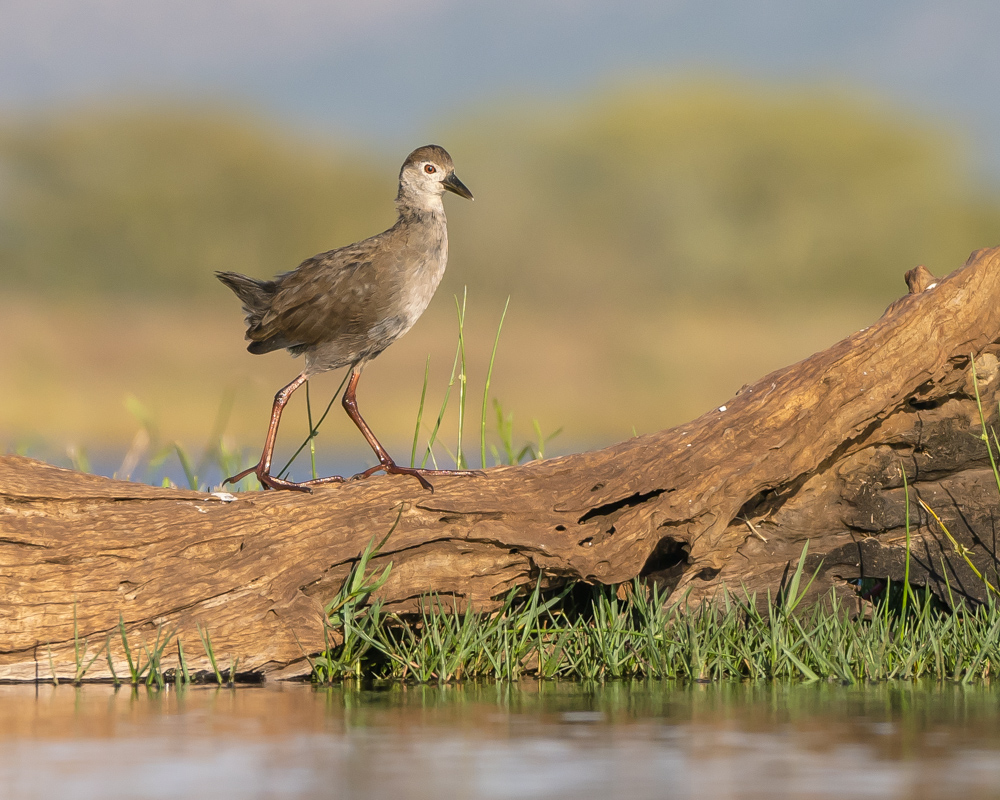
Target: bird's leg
{"type": "Point", "coordinates": [262, 469]}
{"type": "Point", "coordinates": [386, 463]}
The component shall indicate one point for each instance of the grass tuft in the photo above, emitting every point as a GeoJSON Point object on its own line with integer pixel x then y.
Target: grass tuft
{"type": "Point", "coordinates": [598, 633]}
{"type": "Point", "coordinates": [349, 613]}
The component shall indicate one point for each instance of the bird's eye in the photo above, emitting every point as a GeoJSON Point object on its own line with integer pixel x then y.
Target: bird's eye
{"type": "Point", "coordinates": [430, 169]}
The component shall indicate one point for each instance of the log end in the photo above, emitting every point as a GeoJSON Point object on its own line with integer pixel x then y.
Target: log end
{"type": "Point", "coordinates": [919, 279]}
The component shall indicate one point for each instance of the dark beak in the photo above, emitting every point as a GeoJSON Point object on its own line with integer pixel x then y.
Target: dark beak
{"type": "Point", "coordinates": [453, 184]}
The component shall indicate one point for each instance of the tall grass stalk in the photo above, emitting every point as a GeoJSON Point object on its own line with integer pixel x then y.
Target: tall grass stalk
{"type": "Point", "coordinates": [186, 465]}
{"type": "Point", "coordinates": [429, 451]}
{"type": "Point", "coordinates": [986, 430]}
{"type": "Point", "coordinates": [906, 570]}
{"type": "Point", "coordinates": [134, 669]}
{"type": "Point", "coordinates": [963, 552]}
{"type": "Point", "coordinates": [420, 412]}
{"type": "Point", "coordinates": [182, 675]}
{"type": "Point", "coordinates": [111, 663]}
{"type": "Point", "coordinates": [312, 433]}
{"type": "Point", "coordinates": [486, 387]}
{"type": "Point", "coordinates": [460, 462]}
{"type": "Point", "coordinates": [314, 429]}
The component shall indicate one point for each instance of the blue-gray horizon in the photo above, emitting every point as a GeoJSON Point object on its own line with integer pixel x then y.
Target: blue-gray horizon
{"type": "Point", "coordinates": [387, 71]}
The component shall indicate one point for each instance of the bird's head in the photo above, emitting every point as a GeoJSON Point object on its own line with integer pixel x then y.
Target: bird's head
{"type": "Point", "coordinates": [428, 173]}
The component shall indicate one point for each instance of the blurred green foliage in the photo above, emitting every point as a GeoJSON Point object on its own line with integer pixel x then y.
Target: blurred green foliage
{"type": "Point", "coordinates": [151, 201]}
{"type": "Point", "coordinates": [707, 189]}
{"type": "Point", "coordinates": [631, 196]}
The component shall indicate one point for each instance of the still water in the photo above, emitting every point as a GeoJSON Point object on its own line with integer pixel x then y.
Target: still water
{"type": "Point", "coordinates": [637, 740]}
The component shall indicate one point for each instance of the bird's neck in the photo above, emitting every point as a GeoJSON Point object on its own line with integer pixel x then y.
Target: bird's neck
{"type": "Point", "coordinates": [417, 206]}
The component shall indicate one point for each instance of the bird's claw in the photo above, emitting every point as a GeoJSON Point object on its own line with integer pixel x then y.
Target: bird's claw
{"type": "Point", "coordinates": [268, 481]}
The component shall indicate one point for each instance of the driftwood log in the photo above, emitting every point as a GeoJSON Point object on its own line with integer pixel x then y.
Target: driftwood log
{"type": "Point", "coordinates": [813, 452]}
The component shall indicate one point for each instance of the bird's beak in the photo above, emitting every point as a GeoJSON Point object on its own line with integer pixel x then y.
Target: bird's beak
{"type": "Point", "coordinates": [453, 184]}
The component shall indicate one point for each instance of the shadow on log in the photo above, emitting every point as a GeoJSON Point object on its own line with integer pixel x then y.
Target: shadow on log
{"type": "Point", "coordinates": [815, 451]}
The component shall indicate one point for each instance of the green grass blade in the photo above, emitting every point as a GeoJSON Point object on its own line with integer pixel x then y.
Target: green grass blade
{"type": "Point", "coordinates": [206, 643]}
{"type": "Point", "coordinates": [420, 412]}
{"type": "Point", "coordinates": [428, 453]}
{"type": "Point", "coordinates": [906, 569]}
{"type": "Point", "coordinates": [486, 388]}
{"type": "Point", "coordinates": [312, 434]}
{"type": "Point", "coordinates": [982, 419]}
{"type": "Point", "coordinates": [185, 460]}
{"type": "Point", "coordinates": [313, 431]}
{"type": "Point", "coordinates": [111, 664]}
{"type": "Point", "coordinates": [462, 380]}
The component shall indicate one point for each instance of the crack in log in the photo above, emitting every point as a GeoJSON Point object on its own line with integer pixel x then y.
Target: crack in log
{"type": "Point", "coordinates": [103, 500]}
{"type": "Point", "coordinates": [19, 543]}
{"type": "Point", "coordinates": [612, 509]}
{"type": "Point", "coordinates": [453, 518]}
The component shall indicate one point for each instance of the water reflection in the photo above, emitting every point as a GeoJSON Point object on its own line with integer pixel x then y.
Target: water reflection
{"type": "Point", "coordinates": [632, 741]}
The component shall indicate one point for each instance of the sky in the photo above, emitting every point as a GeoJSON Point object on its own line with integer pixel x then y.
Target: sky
{"type": "Point", "coordinates": [389, 71]}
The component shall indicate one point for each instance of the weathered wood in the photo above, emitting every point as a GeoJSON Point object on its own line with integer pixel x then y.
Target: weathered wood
{"type": "Point", "coordinates": [815, 451]}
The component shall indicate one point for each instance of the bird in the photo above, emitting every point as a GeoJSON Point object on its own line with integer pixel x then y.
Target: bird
{"type": "Point", "coordinates": [344, 307]}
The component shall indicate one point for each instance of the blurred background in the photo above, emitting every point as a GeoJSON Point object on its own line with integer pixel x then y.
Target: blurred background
{"type": "Point", "coordinates": [677, 198]}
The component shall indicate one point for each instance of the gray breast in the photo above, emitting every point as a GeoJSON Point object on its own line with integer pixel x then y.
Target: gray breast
{"type": "Point", "coordinates": [385, 300]}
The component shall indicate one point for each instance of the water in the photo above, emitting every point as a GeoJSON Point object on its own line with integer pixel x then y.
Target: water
{"type": "Point", "coordinates": [535, 740]}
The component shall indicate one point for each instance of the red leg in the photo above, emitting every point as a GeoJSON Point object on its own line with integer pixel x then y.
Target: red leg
{"type": "Point", "coordinates": [262, 469]}
{"type": "Point", "coordinates": [386, 463]}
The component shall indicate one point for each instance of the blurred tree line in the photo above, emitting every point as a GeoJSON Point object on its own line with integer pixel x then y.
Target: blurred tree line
{"type": "Point", "coordinates": [633, 196]}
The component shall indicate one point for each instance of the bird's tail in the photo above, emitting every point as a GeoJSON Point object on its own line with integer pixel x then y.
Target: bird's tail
{"type": "Point", "coordinates": [255, 295]}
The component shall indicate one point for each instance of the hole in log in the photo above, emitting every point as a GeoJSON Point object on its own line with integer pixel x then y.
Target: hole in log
{"type": "Point", "coordinates": [924, 399]}
{"type": "Point", "coordinates": [708, 573]}
{"type": "Point", "coordinates": [927, 405]}
{"type": "Point", "coordinates": [560, 527]}
{"type": "Point", "coordinates": [609, 509]}
{"type": "Point", "coordinates": [666, 564]}
{"type": "Point", "coordinates": [597, 487]}
{"type": "Point", "coordinates": [762, 504]}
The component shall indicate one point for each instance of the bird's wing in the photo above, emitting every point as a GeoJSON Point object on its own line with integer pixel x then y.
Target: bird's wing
{"type": "Point", "coordinates": [327, 296]}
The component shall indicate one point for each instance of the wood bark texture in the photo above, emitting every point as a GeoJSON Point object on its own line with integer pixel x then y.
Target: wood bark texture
{"type": "Point", "coordinates": [814, 452]}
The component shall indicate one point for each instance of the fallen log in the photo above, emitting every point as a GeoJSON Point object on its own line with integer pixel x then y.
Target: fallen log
{"type": "Point", "coordinates": [814, 452]}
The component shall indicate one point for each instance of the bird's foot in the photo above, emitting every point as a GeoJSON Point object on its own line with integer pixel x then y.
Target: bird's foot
{"type": "Point", "coordinates": [267, 481]}
{"type": "Point", "coordinates": [391, 468]}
